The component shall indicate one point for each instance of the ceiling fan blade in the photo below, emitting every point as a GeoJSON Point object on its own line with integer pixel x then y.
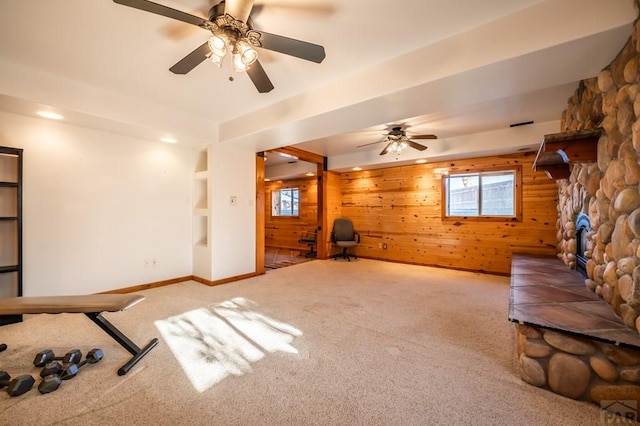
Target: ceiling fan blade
{"type": "Point", "coordinates": [239, 9]}
{"type": "Point", "coordinates": [372, 143]}
{"type": "Point", "coordinates": [417, 146]}
{"type": "Point", "coordinates": [289, 46]}
{"type": "Point", "coordinates": [259, 78]}
{"type": "Point", "coordinates": [192, 60]}
{"type": "Point", "coordinates": [159, 9]}
{"type": "Point", "coordinates": [386, 149]}
{"type": "Point", "coordinates": [423, 137]}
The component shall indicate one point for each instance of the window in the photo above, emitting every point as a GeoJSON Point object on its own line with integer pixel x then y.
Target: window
{"type": "Point", "coordinates": [481, 194]}
{"type": "Point", "coordinates": [285, 202]}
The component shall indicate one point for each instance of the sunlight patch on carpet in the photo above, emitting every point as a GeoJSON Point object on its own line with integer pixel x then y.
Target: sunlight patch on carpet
{"type": "Point", "coordinates": [215, 342]}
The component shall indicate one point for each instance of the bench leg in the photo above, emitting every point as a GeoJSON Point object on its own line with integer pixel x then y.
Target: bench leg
{"type": "Point", "coordinates": [123, 340]}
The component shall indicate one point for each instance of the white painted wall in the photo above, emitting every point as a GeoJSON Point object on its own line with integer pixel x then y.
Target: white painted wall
{"type": "Point", "coordinates": [97, 205]}
{"type": "Point", "coordinates": [233, 229]}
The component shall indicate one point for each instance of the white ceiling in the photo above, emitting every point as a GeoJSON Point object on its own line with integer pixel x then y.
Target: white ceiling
{"type": "Point", "coordinates": [450, 67]}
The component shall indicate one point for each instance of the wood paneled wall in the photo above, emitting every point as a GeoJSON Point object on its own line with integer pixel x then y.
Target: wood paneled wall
{"type": "Point", "coordinates": [334, 204]}
{"type": "Point", "coordinates": [284, 232]}
{"type": "Point", "coordinates": [401, 206]}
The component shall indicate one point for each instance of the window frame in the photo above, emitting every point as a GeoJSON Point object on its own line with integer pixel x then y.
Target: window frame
{"type": "Point", "coordinates": [279, 191]}
{"type": "Point", "coordinates": [517, 193]}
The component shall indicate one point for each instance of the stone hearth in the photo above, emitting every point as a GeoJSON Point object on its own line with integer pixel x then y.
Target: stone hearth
{"type": "Point", "coordinates": [569, 340]}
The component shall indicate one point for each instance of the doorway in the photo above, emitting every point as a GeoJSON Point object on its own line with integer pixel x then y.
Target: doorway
{"type": "Point", "coordinates": [284, 233]}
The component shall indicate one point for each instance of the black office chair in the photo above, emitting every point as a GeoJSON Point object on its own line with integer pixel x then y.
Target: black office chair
{"type": "Point", "coordinates": [310, 239]}
{"type": "Point", "coordinates": [344, 236]}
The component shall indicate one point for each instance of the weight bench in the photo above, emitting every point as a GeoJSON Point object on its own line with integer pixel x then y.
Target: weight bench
{"type": "Point", "coordinates": [92, 306]}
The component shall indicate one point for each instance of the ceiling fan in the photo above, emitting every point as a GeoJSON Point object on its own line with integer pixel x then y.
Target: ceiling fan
{"type": "Point", "coordinates": [397, 141]}
{"type": "Point", "coordinates": [232, 32]}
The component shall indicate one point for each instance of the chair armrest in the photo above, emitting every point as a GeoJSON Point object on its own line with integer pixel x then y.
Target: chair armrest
{"type": "Point", "coordinates": [357, 235]}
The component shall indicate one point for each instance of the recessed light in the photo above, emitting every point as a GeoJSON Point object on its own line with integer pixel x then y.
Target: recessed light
{"type": "Point", "coordinates": [357, 169]}
{"type": "Point", "coordinates": [267, 180]}
{"type": "Point", "coordinates": [311, 174]}
{"type": "Point", "coordinates": [282, 154]}
{"type": "Point", "coordinates": [50, 115]}
{"type": "Point", "coordinates": [169, 139]}
{"type": "Point", "coordinates": [421, 161]}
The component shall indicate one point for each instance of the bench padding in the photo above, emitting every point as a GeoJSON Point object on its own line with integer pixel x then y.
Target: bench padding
{"type": "Point", "coordinates": [68, 304]}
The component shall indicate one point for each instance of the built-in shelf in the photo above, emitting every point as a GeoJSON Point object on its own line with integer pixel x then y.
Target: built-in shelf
{"type": "Point", "coordinates": [201, 212]}
{"type": "Point", "coordinates": [558, 150]}
{"type": "Point", "coordinates": [10, 227]}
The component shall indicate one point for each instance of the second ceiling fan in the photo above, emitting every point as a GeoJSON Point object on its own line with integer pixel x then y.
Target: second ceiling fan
{"type": "Point", "coordinates": [397, 141]}
{"type": "Point", "coordinates": [232, 34]}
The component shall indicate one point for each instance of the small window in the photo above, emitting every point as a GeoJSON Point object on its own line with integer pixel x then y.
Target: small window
{"type": "Point", "coordinates": [285, 202]}
{"type": "Point", "coordinates": [482, 194]}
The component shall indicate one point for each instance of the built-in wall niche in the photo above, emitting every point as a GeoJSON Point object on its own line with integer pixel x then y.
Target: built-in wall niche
{"type": "Point", "coordinates": [201, 214]}
{"type": "Point", "coordinates": [201, 161]}
{"type": "Point", "coordinates": [200, 234]}
{"type": "Point", "coordinates": [200, 195]}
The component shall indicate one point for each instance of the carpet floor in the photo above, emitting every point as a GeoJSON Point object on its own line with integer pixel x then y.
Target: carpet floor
{"type": "Point", "coordinates": [319, 343]}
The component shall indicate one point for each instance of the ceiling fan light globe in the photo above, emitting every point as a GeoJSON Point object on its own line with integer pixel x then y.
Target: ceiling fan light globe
{"type": "Point", "coordinates": [218, 44]}
{"type": "Point", "coordinates": [217, 60]}
{"type": "Point", "coordinates": [238, 64]}
{"type": "Point", "coordinates": [247, 53]}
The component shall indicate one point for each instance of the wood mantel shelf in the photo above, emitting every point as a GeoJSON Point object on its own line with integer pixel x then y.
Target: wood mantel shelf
{"type": "Point", "coordinates": [558, 150]}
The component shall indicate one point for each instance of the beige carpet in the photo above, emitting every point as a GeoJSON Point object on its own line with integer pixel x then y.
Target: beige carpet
{"type": "Point", "coordinates": [320, 343]}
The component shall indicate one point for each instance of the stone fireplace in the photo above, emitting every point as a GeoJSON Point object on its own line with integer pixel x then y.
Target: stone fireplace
{"type": "Point", "coordinates": [579, 315]}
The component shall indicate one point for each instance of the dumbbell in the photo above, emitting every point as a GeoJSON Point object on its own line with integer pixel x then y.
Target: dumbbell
{"type": "Point", "coordinates": [69, 371]}
{"type": "Point", "coordinates": [3, 347]}
{"type": "Point", "coordinates": [50, 377]}
{"type": "Point", "coordinates": [49, 383]}
{"type": "Point", "coordinates": [17, 386]}
{"type": "Point", "coordinates": [72, 357]}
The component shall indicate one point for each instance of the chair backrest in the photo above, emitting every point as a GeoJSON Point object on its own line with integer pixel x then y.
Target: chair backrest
{"type": "Point", "coordinates": [343, 229]}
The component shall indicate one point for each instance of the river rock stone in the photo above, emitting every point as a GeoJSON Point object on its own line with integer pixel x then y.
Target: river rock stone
{"type": "Point", "coordinates": [628, 315]}
{"type": "Point", "coordinates": [536, 348]}
{"type": "Point", "coordinates": [604, 368]}
{"type": "Point", "coordinates": [621, 356]}
{"type": "Point", "coordinates": [621, 237]}
{"type": "Point", "coordinates": [625, 284]}
{"type": "Point", "coordinates": [630, 374]}
{"type": "Point", "coordinates": [568, 375]}
{"type": "Point", "coordinates": [610, 274]}
{"type": "Point", "coordinates": [568, 343]}
{"type": "Point", "coordinates": [635, 130]}
{"type": "Point", "coordinates": [531, 371]}
{"type": "Point", "coordinates": [627, 200]}
{"type": "Point", "coordinates": [601, 393]}
{"type": "Point", "coordinates": [631, 70]}
{"type": "Point", "coordinates": [613, 178]}
{"type": "Point", "coordinates": [626, 265]}
{"type": "Point", "coordinates": [605, 81]}
{"type": "Point", "coordinates": [528, 331]}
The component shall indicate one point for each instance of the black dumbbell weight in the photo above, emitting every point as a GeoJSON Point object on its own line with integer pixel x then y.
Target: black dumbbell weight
{"type": "Point", "coordinates": [49, 383]}
{"type": "Point", "coordinates": [69, 371]}
{"type": "Point", "coordinates": [50, 377]}
{"type": "Point", "coordinates": [17, 386]}
{"type": "Point", "coordinates": [72, 357]}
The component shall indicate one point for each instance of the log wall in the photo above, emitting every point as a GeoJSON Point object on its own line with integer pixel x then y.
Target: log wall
{"type": "Point", "coordinates": [284, 232]}
{"type": "Point", "coordinates": [402, 208]}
